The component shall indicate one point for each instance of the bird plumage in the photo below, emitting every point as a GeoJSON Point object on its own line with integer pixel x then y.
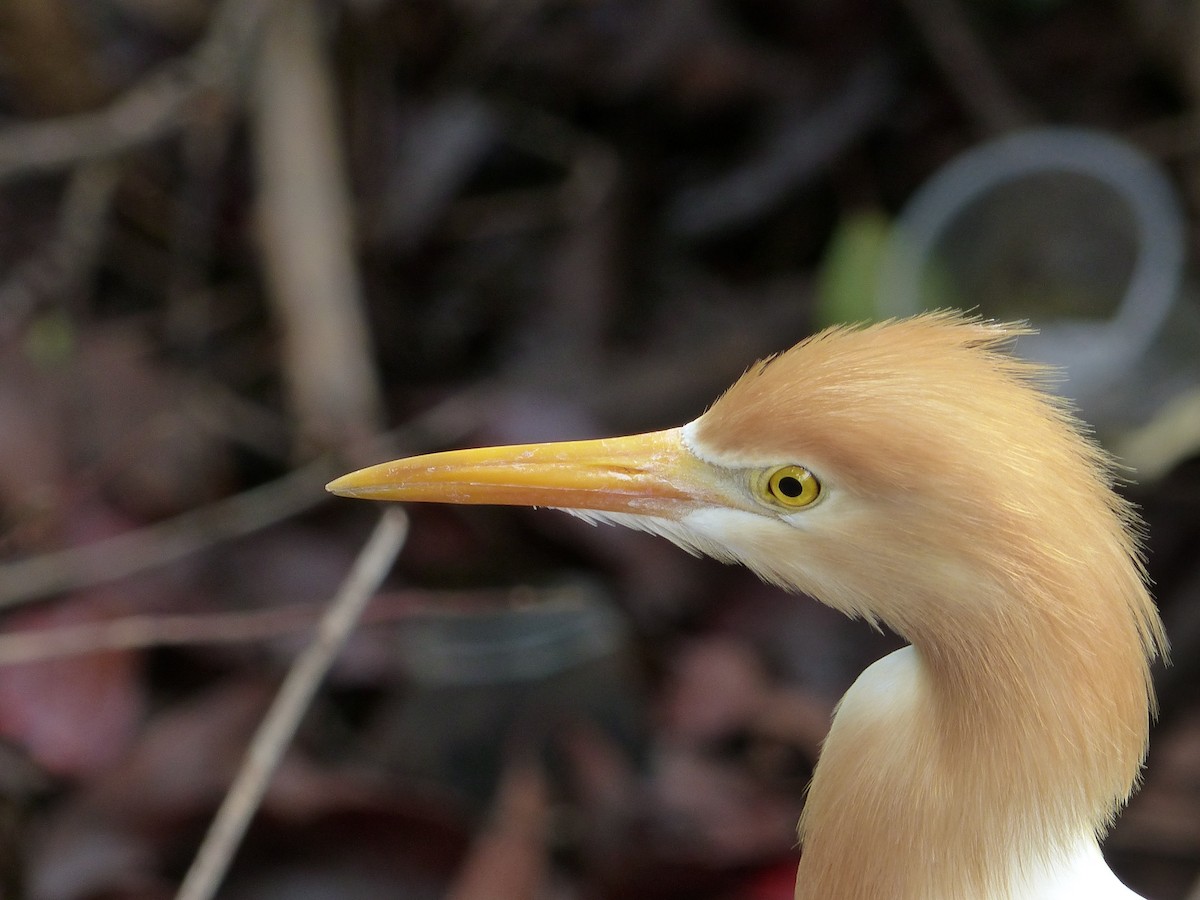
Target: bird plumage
{"type": "Point", "coordinates": [961, 505]}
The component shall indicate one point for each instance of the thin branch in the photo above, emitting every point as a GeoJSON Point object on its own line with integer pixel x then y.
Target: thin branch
{"type": "Point", "coordinates": [800, 147]}
{"type": "Point", "coordinates": [157, 545]}
{"type": "Point", "coordinates": [305, 214]}
{"type": "Point", "coordinates": [152, 109]}
{"type": "Point", "coordinates": [148, 111]}
{"type": "Point", "coordinates": [142, 631]}
{"type": "Point", "coordinates": [277, 728]}
{"type": "Point", "coordinates": [63, 265]}
{"type": "Point", "coordinates": [969, 70]}
{"type": "Point", "coordinates": [139, 632]}
{"type": "Point", "coordinates": [166, 542]}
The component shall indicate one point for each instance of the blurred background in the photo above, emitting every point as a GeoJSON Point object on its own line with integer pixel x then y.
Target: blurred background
{"type": "Point", "coordinates": [246, 245]}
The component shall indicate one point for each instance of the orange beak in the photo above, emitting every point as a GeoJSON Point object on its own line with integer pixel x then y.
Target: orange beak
{"type": "Point", "coordinates": [651, 474]}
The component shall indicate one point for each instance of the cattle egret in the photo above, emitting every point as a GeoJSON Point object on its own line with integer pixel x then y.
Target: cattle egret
{"type": "Point", "coordinates": [916, 475]}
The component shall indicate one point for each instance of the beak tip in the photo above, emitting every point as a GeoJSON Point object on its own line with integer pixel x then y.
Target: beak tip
{"type": "Point", "coordinates": [340, 486]}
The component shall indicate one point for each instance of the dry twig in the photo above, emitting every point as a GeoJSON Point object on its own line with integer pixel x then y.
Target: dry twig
{"type": "Point", "coordinates": [800, 147]}
{"type": "Point", "coordinates": [65, 263]}
{"type": "Point", "coordinates": [968, 68]}
{"type": "Point", "coordinates": [165, 542]}
{"type": "Point", "coordinates": [292, 701]}
{"type": "Point", "coordinates": [139, 632]}
{"type": "Point", "coordinates": [154, 108]}
{"type": "Point", "coordinates": [308, 244]}
{"type": "Point", "coordinates": [144, 631]}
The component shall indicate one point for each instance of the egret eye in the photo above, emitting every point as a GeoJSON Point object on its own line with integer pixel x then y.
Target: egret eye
{"type": "Point", "coordinates": [793, 487]}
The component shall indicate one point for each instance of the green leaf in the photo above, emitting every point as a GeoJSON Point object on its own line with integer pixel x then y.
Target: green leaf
{"type": "Point", "coordinates": [849, 275]}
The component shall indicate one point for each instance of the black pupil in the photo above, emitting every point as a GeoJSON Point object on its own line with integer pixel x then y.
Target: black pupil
{"type": "Point", "coordinates": [790, 486]}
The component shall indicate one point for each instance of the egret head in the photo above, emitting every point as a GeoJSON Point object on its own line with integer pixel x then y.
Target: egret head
{"type": "Point", "coordinates": [911, 472]}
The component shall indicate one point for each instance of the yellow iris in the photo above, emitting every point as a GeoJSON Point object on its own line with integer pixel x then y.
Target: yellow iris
{"type": "Point", "coordinates": [793, 487]}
